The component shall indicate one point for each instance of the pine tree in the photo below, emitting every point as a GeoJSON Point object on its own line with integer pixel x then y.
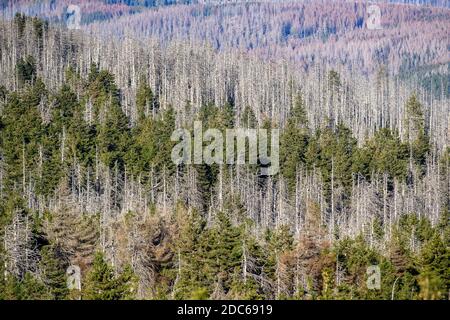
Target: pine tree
{"type": "Point", "coordinates": [31, 288]}
{"type": "Point", "coordinates": [163, 131]}
{"type": "Point", "coordinates": [434, 269]}
{"type": "Point", "coordinates": [20, 20]}
{"type": "Point", "coordinates": [9, 288]}
{"type": "Point", "coordinates": [53, 272]}
{"type": "Point", "coordinates": [64, 108]}
{"type": "Point", "coordinates": [186, 274]}
{"type": "Point", "coordinates": [22, 134]}
{"type": "Point", "coordinates": [418, 137]}
{"type": "Point", "coordinates": [384, 153]}
{"type": "Point", "coordinates": [39, 27]}
{"type": "Point", "coordinates": [102, 284]}
{"type": "Point", "coordinates": [113, 133]}
{"type": "Point", "coordinates": [56, 139]}
{"type": "Point", "coordinates": [294, 142]}
{"type": "Point", "coordinates": [248, 118]}
{"type": "Point", "coordinates": [332, 152]}
{"type": "Point", "coordinates": [226, 117]}
{"type": "Point", "coordinates": [247, 283]}
{"type": "Point", "coordinates": [26, 70]}
{"type": "Point", "coordinates": [221, 252]}
{"type": "Point", "coordinates": [145, 102]}
{"type": "Point", "coordinates": [298, 114]}
{"type": "Point", "coordinates": [334, 81]}
{"type": "Point", "coordinates": [279, 244]}
{"type": "Point", "coordinates": [3, 94]}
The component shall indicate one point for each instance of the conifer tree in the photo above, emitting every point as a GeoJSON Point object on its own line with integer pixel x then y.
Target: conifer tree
{"type": "Point", "coordinates": [418, 137]}
{"type": "Point", "coordinates": [26, 70]}
{"type": "Point", "coordinates": [144, 100]}
{"type": "Point", "coordinates": [31, 288]}
{"type": "Point", "coordinates": [248, 118]}
{"type": "Point", "coordinates": [294, 142]}
{"type": "Point", "coordinates": [434, 262]}
{"type": "Point", "coordinates": [248, 282]}
{"type": "Point", "coordinates": [384, 153]}
{"type": "Point", "coordinates": [53, 272]}
{"type": "Point", "coordinates": [20, 20]}
{"type": "Point", "coordinates": [21, 134]}
{"type": "Point", "coordinates": [102, 284]}
{"type": "Point", "coordinates": [188, 278]}
{"type": "Point", "coordinates": [221, 253]}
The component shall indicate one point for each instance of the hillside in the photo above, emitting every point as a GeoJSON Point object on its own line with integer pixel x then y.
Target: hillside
{"type": "Point", "coordinates": [89, 180]}
{"type": "Point", "coordinates": [304, 32]}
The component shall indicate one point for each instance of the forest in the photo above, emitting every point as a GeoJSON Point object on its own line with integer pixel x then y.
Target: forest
{"type": "Point", "coordinates": [413, 42]}
{"type": "Point", "coordinates": [87, 180]}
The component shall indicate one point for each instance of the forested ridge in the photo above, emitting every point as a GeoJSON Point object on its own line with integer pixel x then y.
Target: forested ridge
{"type": "Point", "coordinates": [306, 32]}
{"type": "Point", "coordinates": [86, 176]}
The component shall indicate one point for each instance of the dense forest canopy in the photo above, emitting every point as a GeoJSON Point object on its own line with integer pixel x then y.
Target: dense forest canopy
{"type": "Point", "coordinates": [87, 179]}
